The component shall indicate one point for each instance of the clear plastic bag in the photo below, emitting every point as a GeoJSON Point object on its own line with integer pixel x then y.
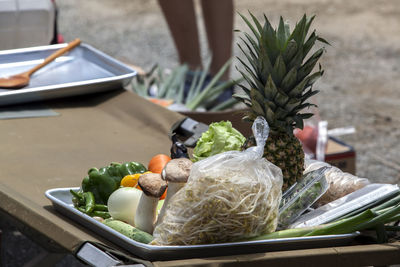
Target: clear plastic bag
{"type": "Point", "coordinates": [340, 183]}
{"type": "Point", "coordinates": [228, 197]}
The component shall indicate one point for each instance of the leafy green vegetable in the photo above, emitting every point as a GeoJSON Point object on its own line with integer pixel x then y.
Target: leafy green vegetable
{"type": "Point", "coordinates": [220, 137]}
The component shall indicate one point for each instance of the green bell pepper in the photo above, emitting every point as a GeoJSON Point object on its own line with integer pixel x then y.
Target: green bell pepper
{"type": "Point", "coordinates": [102, 182]}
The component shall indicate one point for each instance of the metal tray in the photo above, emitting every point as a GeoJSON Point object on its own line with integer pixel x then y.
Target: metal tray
{"type": "Point", "coordinates": [62, 202]}
{"type": "Point", "coordinates": [81, 71]}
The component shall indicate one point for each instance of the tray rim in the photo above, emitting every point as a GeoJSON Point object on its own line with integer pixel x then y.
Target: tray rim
{"type": "Point", "coordinates": [131, 72]}
{"type": "Point", "coordinates": [146, 248]}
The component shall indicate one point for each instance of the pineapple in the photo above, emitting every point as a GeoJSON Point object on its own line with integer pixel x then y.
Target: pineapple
{"type": "Point", "coordinates": [279, 85]}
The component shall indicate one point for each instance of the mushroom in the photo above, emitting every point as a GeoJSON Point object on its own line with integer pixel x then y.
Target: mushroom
{"type": "Point", "coordinates": [153, 186]}
{"type": "Point", "coordinates": [176, 173]}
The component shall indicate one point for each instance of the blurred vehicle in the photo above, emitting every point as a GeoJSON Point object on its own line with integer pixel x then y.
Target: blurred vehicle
{"type": "Point", "coordinates": [26, 23]}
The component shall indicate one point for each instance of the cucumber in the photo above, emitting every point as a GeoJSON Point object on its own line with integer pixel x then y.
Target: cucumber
{"type": "Point", "coordinates": [129, 231]}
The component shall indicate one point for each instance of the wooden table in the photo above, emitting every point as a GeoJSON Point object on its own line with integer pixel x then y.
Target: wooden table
{"type": "Point", "coordinates": [52, 152]}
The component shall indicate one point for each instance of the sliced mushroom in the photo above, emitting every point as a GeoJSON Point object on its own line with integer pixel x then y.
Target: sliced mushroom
{"type": "Point", "coordinates": [153, 187]}
{"type": "Point", "coordinates": [176, 173]}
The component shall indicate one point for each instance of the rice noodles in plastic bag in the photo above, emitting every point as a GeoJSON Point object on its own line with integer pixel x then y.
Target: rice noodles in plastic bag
{"type": "Point", "coordinates": [228, 197]}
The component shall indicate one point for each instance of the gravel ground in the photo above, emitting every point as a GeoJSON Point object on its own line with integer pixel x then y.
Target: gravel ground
{"type": "Point", "coordinates": [360, 88]}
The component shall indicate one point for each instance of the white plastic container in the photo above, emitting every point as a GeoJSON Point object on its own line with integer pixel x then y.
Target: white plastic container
{"type": "Point", "coordinates": [26, 23]}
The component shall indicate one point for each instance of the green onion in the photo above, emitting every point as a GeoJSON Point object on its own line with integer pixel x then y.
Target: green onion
{"type": "Point", "coordinates": [200, 84]}
{"type": "Point", "coordinates": [192, 86]}
{"type": "Point", "coordinates": [343, 226]}
{"type": "Point", "coordinates": [196, 102]}
{"type": "Point", "coordinates": [388, 201]}
{"type": "Point", "coordinates": [385, 217]}
{"type": "Point", "coordinates": [163, 89]}
{"type": "Point", "coordinates": [172, 86]}
{"type": "Point", "coordinates": [371, 219]}
{"type": "Point", "coordinates": [395, 199]}
{"type": "Point", "coordinates": [287, 233]}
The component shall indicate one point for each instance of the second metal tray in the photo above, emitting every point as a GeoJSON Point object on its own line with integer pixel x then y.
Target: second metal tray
{"type": "Point", "coordinates": [81, 71]}
{"type": "Point", "coordinates": [62, 202]}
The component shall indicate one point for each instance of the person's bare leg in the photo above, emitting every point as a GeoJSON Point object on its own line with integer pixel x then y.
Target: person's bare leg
{"type": "Point", "coordinates": [181, 19]}
{"type": "Point", "coordinates": [218, 19]}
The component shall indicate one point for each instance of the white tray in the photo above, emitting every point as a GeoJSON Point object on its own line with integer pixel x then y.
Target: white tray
{"type": "Point", "coordinates": [81, 71]}
{"type": "Point", "coordinates": [62, 201]}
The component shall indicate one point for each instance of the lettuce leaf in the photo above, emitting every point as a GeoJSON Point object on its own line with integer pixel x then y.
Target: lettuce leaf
{"type": "Point", "coordinates": [220, 137]}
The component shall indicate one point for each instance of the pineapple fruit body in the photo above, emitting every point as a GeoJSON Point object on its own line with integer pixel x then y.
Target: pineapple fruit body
{"type": "Point", "coordinates": [280, 81]}
{"type": "Point", "coordinates": [286, 152]}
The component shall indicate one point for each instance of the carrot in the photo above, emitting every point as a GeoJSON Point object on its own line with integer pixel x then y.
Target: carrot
{"type": "Point", "coordinates": [161, 102]}
{"type": "Point", "coordinates": [157, 163]}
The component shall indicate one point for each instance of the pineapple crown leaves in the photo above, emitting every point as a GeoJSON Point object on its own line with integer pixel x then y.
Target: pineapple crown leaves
{"type": "Point", "coordinates": [279, 81]}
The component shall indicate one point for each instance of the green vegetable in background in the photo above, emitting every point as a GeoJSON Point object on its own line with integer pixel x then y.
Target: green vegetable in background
{"type": "Point", "coordinates": [161, 83]}
{"type": "Point", "coordinates": [102, 182]}
{"type": "Point", "coordinates": [220, 137]}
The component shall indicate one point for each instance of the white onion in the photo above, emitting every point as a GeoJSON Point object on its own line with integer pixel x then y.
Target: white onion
{"type": "Point", "coordinates": [122, 204]}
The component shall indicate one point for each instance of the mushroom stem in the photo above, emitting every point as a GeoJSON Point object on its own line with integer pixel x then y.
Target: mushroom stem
{"type": "Point", "coordinates": [153, 187]}
{"type": "Point", "coordinates": [172, 189]}
{"type": "Point", "coordinates": [146, 213]}
{"type": "Point", "coordinates": [176, 172]}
